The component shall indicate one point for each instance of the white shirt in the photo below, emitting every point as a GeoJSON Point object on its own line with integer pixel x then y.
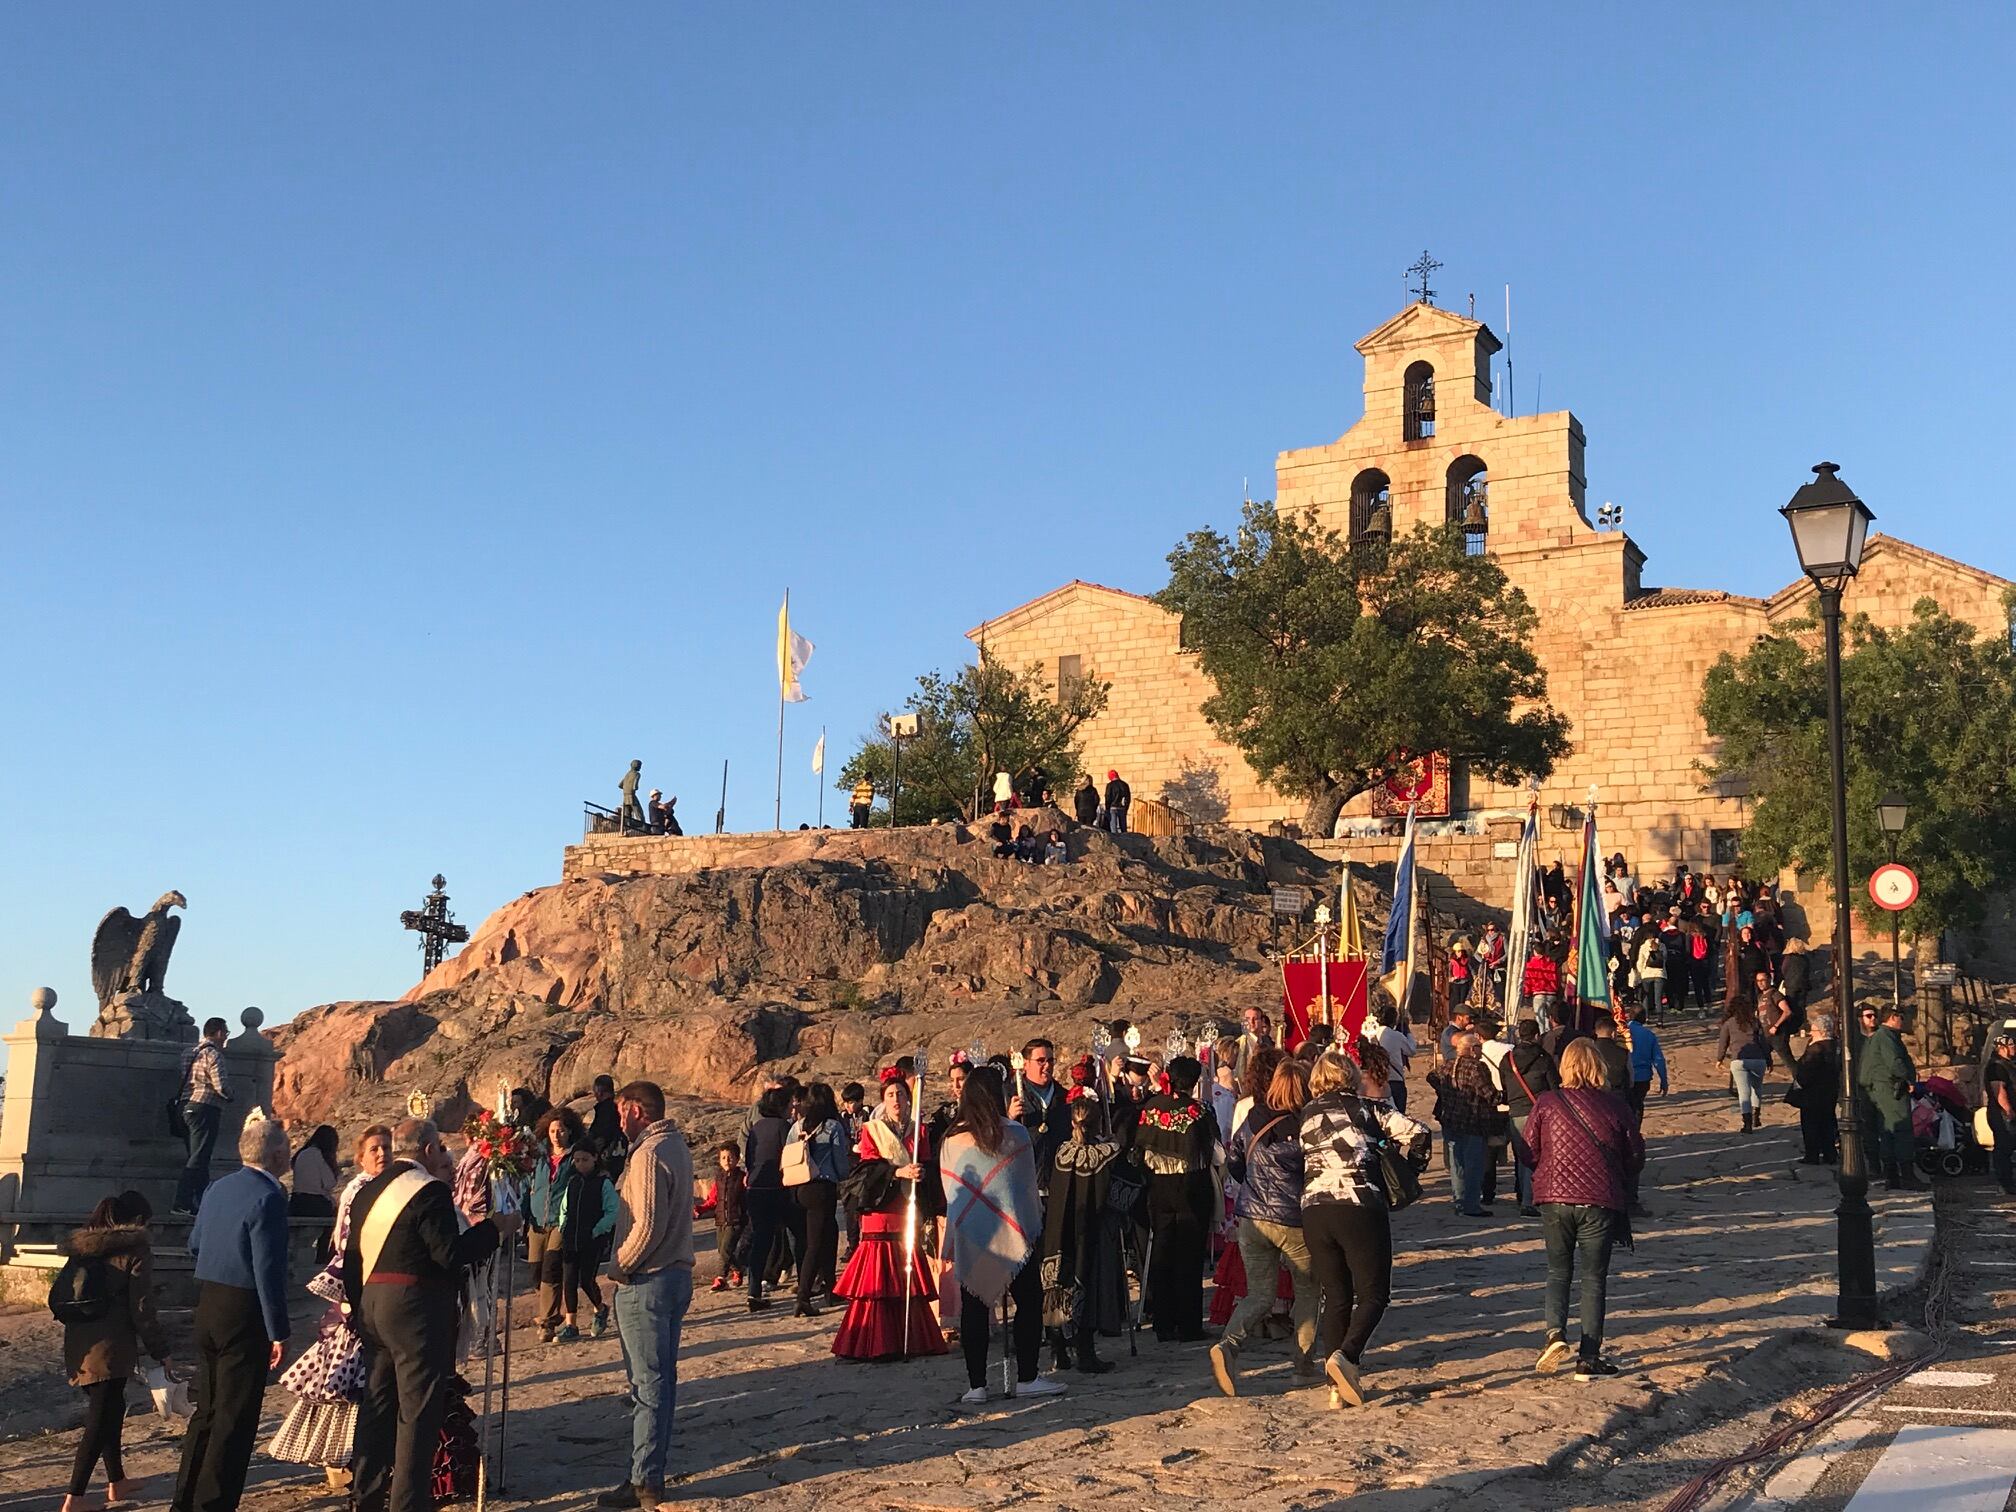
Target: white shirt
{"type": "Point", "coordinates": [1495, 1051]}
{"type": "Point", "coordinates": [1397, 1043]}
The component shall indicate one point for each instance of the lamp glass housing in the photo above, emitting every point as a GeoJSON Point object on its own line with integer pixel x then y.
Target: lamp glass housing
{"type": "Point", "coordinates": [1891, 813]}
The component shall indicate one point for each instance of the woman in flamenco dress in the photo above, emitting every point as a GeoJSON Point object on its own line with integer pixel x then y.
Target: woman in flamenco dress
{"type": "Point", "coordinates": [873, 1284]}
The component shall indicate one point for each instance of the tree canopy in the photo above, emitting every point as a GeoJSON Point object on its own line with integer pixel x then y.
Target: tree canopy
{"type": "Point", "coordinates": [1327, 668]}
{"type": "Point", "coordinates": [984, 719]}
{"type": "Point", "coordinates": [1928, 712]}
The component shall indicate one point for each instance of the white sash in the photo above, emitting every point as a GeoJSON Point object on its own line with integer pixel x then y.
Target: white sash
{"type": "Point", "coordinates": [888, 1143]}
{"type": "Point", "coordinates": [385, 1211]}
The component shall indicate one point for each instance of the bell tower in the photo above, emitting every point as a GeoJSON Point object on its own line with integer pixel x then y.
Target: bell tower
{"type": "Point", "coordinates": [1423, 367]}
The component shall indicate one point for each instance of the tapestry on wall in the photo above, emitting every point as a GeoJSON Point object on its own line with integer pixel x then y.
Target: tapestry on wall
{"type": "Point", "coordinates": [1420, 780]}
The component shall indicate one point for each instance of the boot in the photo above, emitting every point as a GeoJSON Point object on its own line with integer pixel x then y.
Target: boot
{"type": "Point", "coordinates": [1088, 1354]}
{"type": "Point", "coordinates": [1747, 1124]}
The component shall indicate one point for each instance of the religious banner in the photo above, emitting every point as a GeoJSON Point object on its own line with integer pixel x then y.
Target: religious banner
{"type": "Point", "coordinates": [1420, 780]}
{"type": "Point", "coordinates": [1302, 1000]}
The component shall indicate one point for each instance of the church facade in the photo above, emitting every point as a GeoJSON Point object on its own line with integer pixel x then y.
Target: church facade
{"type": "Point", "coordinates": [1624, 660]}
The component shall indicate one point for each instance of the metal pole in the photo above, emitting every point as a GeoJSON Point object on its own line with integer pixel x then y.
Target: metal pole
{"type": "Point", "coordinates": [1855, 1237]}
{"type": "Point", "coordinates": [721, 813]}
{"type": "Point", "coordinates": [822, 777]}
{"type": "Point", "coordinates": [504, 1390]}
{"type": "Point", "coordinates": [895, 775]}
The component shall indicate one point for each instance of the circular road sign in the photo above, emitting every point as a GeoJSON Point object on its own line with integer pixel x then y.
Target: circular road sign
{"type": "Point", "coordinates": [1893, 887]}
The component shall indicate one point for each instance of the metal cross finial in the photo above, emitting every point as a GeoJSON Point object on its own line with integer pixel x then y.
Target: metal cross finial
{"type": "Point", "coordinates": [435, 925]}
{"type": "Point", "coordinates": [1421, 270]}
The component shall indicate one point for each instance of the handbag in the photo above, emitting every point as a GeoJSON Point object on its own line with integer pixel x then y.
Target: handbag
{"type": "Point", "coordinates": [178, 1125]}
{"type": "Point", "coordinates": [1984, 1127]}
{"type": "Point", "coordinates": [1397, 1177]}
{"type": "Point", "coordinates": [797, 1161]}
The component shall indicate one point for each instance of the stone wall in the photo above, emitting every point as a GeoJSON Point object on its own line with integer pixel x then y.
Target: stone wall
{"type": "Point", "coordinates": [1153, 731]}
{"type": "Point", "coordinates": [84, 1118]}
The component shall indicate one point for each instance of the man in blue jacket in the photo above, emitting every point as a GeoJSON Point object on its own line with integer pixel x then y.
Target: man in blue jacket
{"type": "Point", "coordinates": [1647, 1060]}
{"type": "Point", "coordinates": [239, 1244]}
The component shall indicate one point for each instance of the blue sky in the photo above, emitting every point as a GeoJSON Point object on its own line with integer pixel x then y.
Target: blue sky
{"type": "Point", "coordinates": [409, 415]}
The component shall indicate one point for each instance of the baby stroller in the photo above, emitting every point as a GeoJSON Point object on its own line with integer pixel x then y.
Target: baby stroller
{"type": "Point", "coordinates": [1943, 1126]}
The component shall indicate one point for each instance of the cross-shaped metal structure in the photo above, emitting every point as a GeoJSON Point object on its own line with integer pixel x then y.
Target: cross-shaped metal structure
{"type": "Point", "coordinates": [1421, 270]}
{"type": "Point", "coordinates": [435, 925]}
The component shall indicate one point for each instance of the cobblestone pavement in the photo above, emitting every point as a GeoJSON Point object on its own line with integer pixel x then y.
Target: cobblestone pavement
{"type": "Point", "coordinates": [1739, 1252]}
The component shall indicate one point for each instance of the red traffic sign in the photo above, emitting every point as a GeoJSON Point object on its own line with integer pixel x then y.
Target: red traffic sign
{"type": "Point", "coordinates": [1893, 886]}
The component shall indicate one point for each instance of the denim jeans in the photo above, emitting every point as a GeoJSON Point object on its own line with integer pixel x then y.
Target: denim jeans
{"type": "Point", "coordinates": [1467, 1155]}
{"type": "Point", "coordinates": [1748, 1077]}
{"type": "Point", "coordinates": [1522, 1173]}
{"type": "Point", "coordinates": [1578, 1234]}
{"type": "Point", "coordinates": [649, 1311]}
{"type": "Point", "coordinates": [202, 1120]}
{"type": "Point", "coordinates": [1543, 1010]}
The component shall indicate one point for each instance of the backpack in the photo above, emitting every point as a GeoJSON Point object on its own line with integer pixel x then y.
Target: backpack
{"type": "Point", "coordinates": [1655, 954]}
{"type": "Point", "coordinates": [81, 1292]}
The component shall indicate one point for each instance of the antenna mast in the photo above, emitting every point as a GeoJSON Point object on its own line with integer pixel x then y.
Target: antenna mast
{"type": "Point", "coordinates": [1511, 404]}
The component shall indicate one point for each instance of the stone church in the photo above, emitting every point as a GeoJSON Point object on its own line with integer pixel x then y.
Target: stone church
{"type": "Point", "coordinates": [1618, 653]}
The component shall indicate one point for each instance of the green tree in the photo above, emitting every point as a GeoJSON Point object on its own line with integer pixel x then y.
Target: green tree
{"type": "Point", "coordinates": [984, 719]}
{"type": "Point", "coordinates": [1326, 668]}
{"type": "Point", "coordinates": [1928, 711]}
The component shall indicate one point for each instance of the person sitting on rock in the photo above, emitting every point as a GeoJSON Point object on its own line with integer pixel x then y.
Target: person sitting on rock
{"type": "Point", "coordinates": [1053, 850]}
{"type": "Point", "coordinates": [1028, 845]}
{"type": "Point", "coordinates": [1002, 833]}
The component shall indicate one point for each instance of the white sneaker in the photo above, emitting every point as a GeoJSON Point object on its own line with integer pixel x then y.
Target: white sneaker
{"type": "Point", "coordinates": [977, 1397]}
{"type": "Point", "coordinates": [1042, 1386]}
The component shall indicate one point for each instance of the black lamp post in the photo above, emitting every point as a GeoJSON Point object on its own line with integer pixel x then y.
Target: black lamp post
{"type": "Point", "coordinates": [1891, 813]}
{"type": "Point", "coordinates": [1829, 525]}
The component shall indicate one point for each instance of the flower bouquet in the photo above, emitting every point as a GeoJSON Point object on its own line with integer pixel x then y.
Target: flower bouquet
{"type": "Point", "coordinates": [506, 1153]}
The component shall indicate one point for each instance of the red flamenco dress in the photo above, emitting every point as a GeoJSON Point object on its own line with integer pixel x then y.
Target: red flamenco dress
{"type": "Point", "coordinates": [1229, 1285]}
{"type": "Point", "coordinates": [873, 1281]}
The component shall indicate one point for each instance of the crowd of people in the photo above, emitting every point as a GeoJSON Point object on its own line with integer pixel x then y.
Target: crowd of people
{"type": "Point", "coordinates": [1064, 1204]}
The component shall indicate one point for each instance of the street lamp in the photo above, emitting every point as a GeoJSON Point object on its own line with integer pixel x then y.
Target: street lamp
{"type": "Point", "coordinates": [1891, 812]}
{"type": "Point", "coordinates": [1829, 525]}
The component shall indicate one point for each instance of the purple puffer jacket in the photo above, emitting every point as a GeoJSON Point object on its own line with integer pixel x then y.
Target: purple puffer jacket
{"type": "Point", "coordinates": [1567, 1165]}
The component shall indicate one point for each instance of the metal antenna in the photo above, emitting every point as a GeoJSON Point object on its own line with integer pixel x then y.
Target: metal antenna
{"type": "Point", "coordinates": [1511, 403]}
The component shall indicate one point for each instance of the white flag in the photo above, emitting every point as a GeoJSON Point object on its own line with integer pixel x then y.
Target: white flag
{"type": "Point", "coordinates": [819, 755]}
{"type": "Point", "coordinates": [793, 651]}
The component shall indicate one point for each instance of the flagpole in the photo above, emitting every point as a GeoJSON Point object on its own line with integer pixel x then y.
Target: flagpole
{"type": "Point", "coordinates": [783, 662]}
{"type": "Point", "coordinates": [822, 776]}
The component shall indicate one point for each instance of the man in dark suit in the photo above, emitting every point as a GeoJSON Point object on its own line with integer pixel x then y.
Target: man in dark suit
{"type": "Point", "coordinates": [239, 1244]}
{"type": "Point", "coordinates": [1036, 1100]}
{"type": "Point", "coordinates": [402, 1271]}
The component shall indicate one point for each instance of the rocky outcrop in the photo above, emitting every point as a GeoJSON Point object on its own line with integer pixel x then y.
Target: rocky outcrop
{"type": "Point", "coordinates": [824, 964]}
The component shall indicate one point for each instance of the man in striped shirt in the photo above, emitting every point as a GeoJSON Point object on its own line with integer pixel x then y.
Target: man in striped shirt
{"type": "Point", "coordinates": [204, 1093]}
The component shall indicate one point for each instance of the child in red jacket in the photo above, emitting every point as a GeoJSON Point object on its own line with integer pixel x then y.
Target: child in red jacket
{"type": "Point", "coordinates": [723, 1201]}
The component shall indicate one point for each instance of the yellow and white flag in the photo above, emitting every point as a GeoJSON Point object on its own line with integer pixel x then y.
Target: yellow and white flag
{"type": "Point", "coordinates": [793, 651]}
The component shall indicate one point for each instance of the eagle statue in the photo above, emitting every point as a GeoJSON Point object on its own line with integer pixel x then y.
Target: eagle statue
{"type": "Point", "coordinates": [131, 955]}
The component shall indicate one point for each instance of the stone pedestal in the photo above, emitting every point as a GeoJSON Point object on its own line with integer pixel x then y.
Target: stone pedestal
{"type": "Point", "coordinates": [85, 1117]}
{"type": "Point", "coordinates": [145, 1016]}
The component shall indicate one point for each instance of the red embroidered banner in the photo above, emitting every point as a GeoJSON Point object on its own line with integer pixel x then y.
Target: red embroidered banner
{"type": "Point", "coordinates": [1420, 780]}
{"type": "Point", "coordinates": [1301, 1000]}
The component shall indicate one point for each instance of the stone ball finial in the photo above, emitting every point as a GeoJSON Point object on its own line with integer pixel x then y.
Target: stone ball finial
{"type": "Point", "coordinates": [252, 1018]}
{"type": "Point", "coordinates": [43, 1000]}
